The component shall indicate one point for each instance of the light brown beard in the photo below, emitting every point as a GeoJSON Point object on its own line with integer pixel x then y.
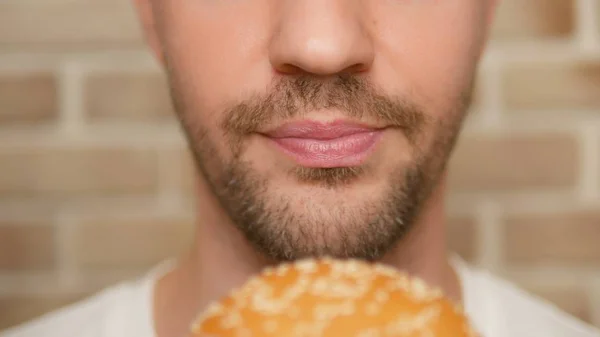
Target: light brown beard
{"type": "Point", "coordinates": [269, 222]}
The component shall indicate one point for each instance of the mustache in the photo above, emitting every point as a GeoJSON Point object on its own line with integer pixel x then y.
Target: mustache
{"type": "Point", "coordinates": [293, 97]}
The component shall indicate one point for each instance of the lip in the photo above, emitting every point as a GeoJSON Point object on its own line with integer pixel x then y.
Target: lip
{"type": "Point", "coordinates": [321, 131]}
{"type": "Point", "coordinates": [319, 145]}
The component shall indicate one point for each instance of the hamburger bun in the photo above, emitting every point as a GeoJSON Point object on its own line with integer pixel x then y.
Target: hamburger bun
{"type": "Point", "coordinates": [333, 298]}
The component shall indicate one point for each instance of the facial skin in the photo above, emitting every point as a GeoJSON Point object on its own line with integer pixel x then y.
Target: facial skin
{"type": "Point", "coordinates": [239, 69]}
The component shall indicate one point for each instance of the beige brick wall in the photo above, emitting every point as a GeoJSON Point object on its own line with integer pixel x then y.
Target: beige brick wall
{"type": "Point", "coordinates": [94, 178]}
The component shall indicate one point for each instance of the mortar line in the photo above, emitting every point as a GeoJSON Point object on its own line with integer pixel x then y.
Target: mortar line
{"type": "Point", "coordinates": [490, 243]}
{"type": "Point", "coordinates": [68, 276]}
{"type": "Point", "coordinates": [589, 165]}
{"type": "Point", "coordinates": [491, 88]}
{"type": "Point", "coordinates": [586, 26]}
{"type": "Point", "coordinates": [71, 100]}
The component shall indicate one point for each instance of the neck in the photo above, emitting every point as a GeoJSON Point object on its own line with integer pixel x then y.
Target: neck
{"type": "Point", "coordinates": [221, 259]}
{"type": "Point", "coordinates": [423, 252]}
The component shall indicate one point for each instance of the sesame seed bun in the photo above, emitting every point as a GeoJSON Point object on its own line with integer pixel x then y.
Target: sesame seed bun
{"type": "Point", "coordinates": [332, 298]}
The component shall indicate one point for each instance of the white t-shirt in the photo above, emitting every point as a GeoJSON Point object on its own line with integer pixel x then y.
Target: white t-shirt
{"type": "Point", "coordinates": [495, 307]}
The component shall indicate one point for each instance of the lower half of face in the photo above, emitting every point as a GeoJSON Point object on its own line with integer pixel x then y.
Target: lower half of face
{"type": "Point", "coordinates": [311, 163]}
{"type": "Point", "coordinates": [353, 195]}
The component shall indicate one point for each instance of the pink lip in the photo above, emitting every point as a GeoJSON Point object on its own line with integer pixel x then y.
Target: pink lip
{"type": "Point", "coordinates": [337, 144]}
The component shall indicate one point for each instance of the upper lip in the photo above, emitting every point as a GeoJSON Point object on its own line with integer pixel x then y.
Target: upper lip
{"type": "Point", "coordinates": [317, 130]}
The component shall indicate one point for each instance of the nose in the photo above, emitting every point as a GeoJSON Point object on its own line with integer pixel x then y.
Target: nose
{"type": "Point", "coordinates": [320, 37]}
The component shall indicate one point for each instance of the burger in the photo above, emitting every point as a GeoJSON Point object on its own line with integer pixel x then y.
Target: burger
{"type": "Point", "coordinates": [330, 298]}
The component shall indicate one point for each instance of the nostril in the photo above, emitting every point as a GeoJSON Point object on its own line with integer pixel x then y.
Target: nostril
{"type": "Point", "coordinates": [357, 68]}
{"type": "Point", "coordinates": [288, 69]}
{"type": "Point", "coordinates": [291, 69]}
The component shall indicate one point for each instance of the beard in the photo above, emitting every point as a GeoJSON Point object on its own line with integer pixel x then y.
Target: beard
{"type": "Point", "coordinates": [271, 222]}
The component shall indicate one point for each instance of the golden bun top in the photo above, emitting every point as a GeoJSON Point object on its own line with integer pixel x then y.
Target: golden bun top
{"type": "Point", "coordinates": [331, 298]}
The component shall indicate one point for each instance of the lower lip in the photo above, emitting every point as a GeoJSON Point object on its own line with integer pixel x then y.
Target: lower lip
{"type": "Point", "coordinates": [347, 151]}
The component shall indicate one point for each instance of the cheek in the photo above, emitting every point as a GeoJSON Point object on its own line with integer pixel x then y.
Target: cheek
{"type": "Point", "coordinates": [215, 51]}
{"type": "Point", "coordinates": [429, 49]}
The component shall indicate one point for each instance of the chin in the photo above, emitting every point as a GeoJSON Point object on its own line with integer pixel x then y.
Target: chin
{"type": "Point", "coordinates": [325, 188]}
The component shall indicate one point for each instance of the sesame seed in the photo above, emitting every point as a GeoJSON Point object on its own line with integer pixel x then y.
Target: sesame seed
{"type": "Point", "coordinates": [372, 309]}
{"type": "Point", "coordinates": [307, 266]}
{"type": "Point", "coordinates": [420, 322]}
{"type": "Point", "coordinates": [232, 320]}
{"type": "Point", "coordinates": [282, 270]}
{"type": "Point", "coordinates": [381, 296]}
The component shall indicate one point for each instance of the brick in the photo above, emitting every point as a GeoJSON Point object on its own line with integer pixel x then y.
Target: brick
{"type": "Point", "coordinates": [122, 96]}
{"type": "Point", "coordinates": [20, 309]}
{"type": "Point", "coordinates": [69, 172]}
{"type": "Point", "coordinates": [572, 299]}
{"type": "Point", "coordinates": [501, 164]}
{"type": "Point", "coordinates": [517, 19]}
{"type": "Point", "coordinates": [61, 24]}
{"type": "Point", "coordinates": [129, 245]}
{"type": "Point", "coordinates": [28, 98]}
{"type": "Point", "coordinates": [546, 86]}
{"type": "Point", "coordinates": [26, 247]}
{"type": "Point", "coordinates": [462, 236]}
{"type": "Point", "coordinates": [564, 238]}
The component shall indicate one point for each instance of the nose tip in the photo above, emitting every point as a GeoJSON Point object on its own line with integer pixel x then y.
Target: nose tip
{"type": "Point", "coordinates": [321, 56]}
{"type": "Point", "coordinates": [326, 39]}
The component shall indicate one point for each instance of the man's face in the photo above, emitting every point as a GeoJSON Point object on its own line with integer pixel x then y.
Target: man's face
{"type": "Point", "coordinates": [321, 126]}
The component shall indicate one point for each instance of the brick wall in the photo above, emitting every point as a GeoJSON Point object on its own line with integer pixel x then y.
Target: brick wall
{"type": "Point", "coordinates": [94, 178]}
